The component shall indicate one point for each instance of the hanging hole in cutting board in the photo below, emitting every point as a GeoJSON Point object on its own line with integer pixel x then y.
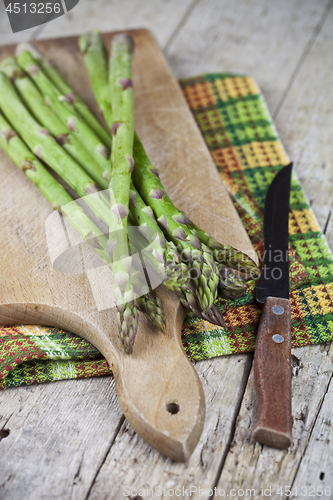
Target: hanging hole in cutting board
{"type": "Point", "coordinates": [173, 408]}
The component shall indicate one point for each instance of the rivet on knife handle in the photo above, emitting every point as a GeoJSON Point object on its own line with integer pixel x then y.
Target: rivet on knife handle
{"type": "Point", "coordinates": [272, 375]}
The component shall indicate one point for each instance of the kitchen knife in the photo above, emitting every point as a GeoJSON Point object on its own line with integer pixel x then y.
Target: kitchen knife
{"type": "Point", "coordinates": [272, 360]}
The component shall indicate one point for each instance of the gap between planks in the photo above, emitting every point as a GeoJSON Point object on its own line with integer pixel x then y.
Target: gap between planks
{"type": "Point", "coordinates": [306, 51]}
{"type": "Point", "coordinates": [299, 465]}
{"type": "Point", "coordinates": [181, 23]}
{"type": "Point", "coordinates": [233, 428]}
{"type": "Point", "coordinates": [120, 423]}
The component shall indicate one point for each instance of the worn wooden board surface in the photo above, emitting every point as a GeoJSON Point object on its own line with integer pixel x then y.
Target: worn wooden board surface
{"type": "Point", "coordinates": [285, 45]}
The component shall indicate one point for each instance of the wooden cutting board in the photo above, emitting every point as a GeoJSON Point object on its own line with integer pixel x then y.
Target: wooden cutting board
{"type": "Point", "coordinates": [158, 388]}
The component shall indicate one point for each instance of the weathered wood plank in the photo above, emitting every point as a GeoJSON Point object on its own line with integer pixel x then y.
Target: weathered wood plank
{"type": "Point", "coordinates": [316, 466]}
{"type": "Point", "coordinates": [263, 40]}
{"type": "Point", "coordinates": [302, 122]}
{"type": "Point", "coordinates": [251, 465]}
{"type": "Point", "coordinates": [305, 123]}
{"type": "Point", "coordinates": [59, 436]}
{"type": "Point", "coordinates": [161, 17]}
{"type": "Point", "coordinates": [132, 463]}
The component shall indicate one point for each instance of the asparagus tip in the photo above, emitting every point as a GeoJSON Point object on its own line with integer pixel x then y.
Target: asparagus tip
{"type": "Point", "coordinates": [127, 320]}
{"type": "Point", "coordinates": [83, 43]}
{"type": "Point", "coordinates": [89, 40]}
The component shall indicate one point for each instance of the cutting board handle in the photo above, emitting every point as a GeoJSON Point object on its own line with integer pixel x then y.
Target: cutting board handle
{"type": "Point", "coordinates": [158, 388]}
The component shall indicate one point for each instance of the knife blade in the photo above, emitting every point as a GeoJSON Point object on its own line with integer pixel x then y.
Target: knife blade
{"type": "Point", "coordinates": [272, 359]}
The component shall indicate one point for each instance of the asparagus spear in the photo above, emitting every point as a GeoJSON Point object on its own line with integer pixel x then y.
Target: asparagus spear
{"type": "Point", "coordinates": [60, 200]}
{"type": "Point", "coordinates": [175, 224]}
{"type": "Point", "coordinates": [205, 318]}
{"type": "Point", "coordinates": [189, 300]}
{"type": "Point", "coordinates": [46, 148]}
{"type": "Point", "coordinates": [69, 171]}
{"type": "Point", "coordinates": [57, 80]}
{"type": "Point", "coordinates": [214, 316]}
{"type": "Point", "coordinates": [44, 115]}
{"type": "Point", "coordinates": [51, 121]}
{"type": "Point", "coordinates": [175, 269]}
{"type": "Point", "coordinates": [64, 108]}
{"type": "Point", "coordinates": [53, 191]}
{"type": "Point", "coordinates": [152, 307]}
{"type": "Point", "coordinates": [95, 57]}
{"type": "Point", "coordinates": [231, 286]}
{"type": "Point", "coordinates": [121, 167]}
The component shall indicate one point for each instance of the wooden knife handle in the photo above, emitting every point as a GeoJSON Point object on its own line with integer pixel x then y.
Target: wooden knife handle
{"type": "Point", "coordinates": [272, 375]}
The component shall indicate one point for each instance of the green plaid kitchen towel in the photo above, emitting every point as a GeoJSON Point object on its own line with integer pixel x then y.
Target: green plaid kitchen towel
{"type": "Point", "coordinates": [234, 120]}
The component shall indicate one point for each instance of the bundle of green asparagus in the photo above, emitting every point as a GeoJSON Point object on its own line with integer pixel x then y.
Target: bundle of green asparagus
{"type": "Point", "coordinates": [41, 109]}
{"type": "Point", "coordinates": [60, 200]}
{"type": "Point", "coordinates": [211, 264]}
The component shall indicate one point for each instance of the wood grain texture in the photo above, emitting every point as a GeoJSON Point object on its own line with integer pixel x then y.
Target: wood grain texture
{"type": "Point", "coordinates": [57, 441]}
{"type": "Point", "coordinates": [304, 115]}
{"type": "Point", "coordinates": [252, 465]}
{"type": "Point", "coordinates": [316, 465]}
{"type": "Point", "coordinates": [133, 464]}
{"type": "Point", "coordinates": [226, 455]}
{"type": "Point", "coordinates": [247, 37]}
{"type": "Point", "coordinates": [305, 122]}
{"type": "Point", "coordinates": [272, 375]}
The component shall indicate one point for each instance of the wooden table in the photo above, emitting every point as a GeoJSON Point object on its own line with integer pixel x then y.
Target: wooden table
{"type": "Point", "coordinates": [69, 439]}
